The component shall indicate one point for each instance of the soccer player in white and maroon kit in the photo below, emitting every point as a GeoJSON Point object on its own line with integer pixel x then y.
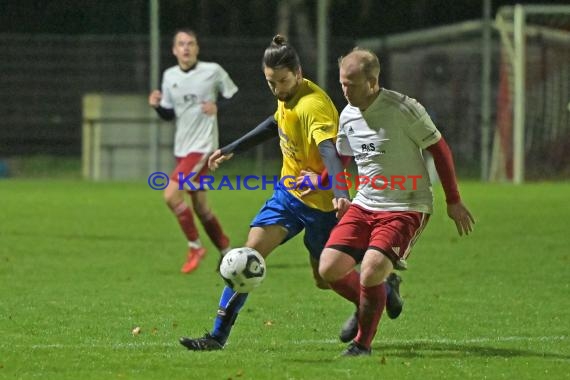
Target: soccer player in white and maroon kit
{"type": "Point", "coordinates": [189, 94]}
{"type": "Point", "coordinates": [385, 131]}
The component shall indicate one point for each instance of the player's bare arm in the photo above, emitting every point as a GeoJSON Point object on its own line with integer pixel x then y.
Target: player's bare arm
{"type": "Point", "coordinates": [309, 181]}
{"type": "Point", "coordinates": [313, 177]}
{"type": "Point", "coordinates": [462, 217]}
{"type": "Point", "coordinates": [216, 159]}
{"type": "Point", "coordinates": [154, 98]}
{"type": "Point", "coordinates": [456, 210]}
{"type": "Point", "coordinates": [305, 177]}
{"type": "Point", "coordinates": [341, 206]}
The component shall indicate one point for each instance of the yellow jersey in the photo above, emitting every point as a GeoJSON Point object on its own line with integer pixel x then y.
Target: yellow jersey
{"type": "Point", "coordinates": [303, 122]}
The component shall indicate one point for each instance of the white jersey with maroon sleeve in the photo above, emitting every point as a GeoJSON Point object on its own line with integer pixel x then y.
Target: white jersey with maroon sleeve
{"type": "Point", "coordinates": [386, 141]}
{"type": "Point", "coordinates": [185, 92]}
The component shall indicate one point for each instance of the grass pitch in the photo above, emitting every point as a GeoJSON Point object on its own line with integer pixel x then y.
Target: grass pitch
{"type": "Point", "coordinates": [82, 264]}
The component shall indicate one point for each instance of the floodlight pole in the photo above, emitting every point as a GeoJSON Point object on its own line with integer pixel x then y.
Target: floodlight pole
{"type": "Point", "coordinates": [154, 40]}
{"type": "Point", "coordinates": [486, 89]}
{"type": "Point", "coordinates": [519, 94]}
{"type": "Point", "coordinates": [322, 42]}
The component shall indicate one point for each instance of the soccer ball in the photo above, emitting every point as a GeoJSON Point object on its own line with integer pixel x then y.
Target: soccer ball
{"type": "Point", "coordinates": [243, 269]}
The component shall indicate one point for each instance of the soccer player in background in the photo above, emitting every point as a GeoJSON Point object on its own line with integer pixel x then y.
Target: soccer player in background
{"type": "Point", "coordinates": [189, 94]}
{"type": "Point", "coordinates": [385, 131]}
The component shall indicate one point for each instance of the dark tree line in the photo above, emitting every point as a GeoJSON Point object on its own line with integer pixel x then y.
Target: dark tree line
{"type": "Point", "coordinates": [235, 18]}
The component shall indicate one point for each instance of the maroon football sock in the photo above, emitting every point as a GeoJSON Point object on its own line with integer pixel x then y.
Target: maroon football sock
{"type": "Point", "coordinates": [215, 232]}
{"type": "Point", "coordinates": [348, 287]}
{"type": "Point", "coordinates": [372, 302]}
{"type": "Point", "coordinates": [186, 221]}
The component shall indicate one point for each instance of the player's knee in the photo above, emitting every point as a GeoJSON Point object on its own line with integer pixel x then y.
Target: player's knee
{"type": "Point", "coordinates": [374, 273]}
{"type": "Point", "coordinates": [325, 269]}
{"type": "Point", "coordinates": [319, 281]}
{"type": "Point", "coordinates": [327, 273]}
{"type": "Point", "coordinates": [172, 199]}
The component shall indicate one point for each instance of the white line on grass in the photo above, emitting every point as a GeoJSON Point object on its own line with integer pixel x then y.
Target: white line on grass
{"type": "Point", "coordinates": [111, 346]}
{"type": "Point", "coordinates": [449, 341]}
{"type": "Point", "coordinates": [132, 345]}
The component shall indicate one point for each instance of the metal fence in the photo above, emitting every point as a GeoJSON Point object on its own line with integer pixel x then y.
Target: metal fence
{"type": "Point", "coordinates": [44, 77]}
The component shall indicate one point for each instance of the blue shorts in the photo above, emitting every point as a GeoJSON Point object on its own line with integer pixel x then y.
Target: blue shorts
{"type": "Point", "coordinates": [287, 211]}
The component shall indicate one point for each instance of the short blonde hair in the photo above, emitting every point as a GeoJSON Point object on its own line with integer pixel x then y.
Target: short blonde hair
{"type": "Point", "coordinates": [369, 62]}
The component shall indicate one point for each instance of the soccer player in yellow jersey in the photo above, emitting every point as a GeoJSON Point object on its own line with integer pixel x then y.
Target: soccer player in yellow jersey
{"type": "Point", "coordinates": [306, 122]}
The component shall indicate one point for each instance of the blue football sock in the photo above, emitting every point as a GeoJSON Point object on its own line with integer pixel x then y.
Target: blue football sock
{"type": "Point", "coordinates": [231, 303]}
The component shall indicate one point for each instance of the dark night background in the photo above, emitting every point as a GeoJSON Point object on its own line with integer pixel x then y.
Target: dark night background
{"type": "Point", "coordinates": [243, 18]}
{"type": "Point", "coordinates": [77, 47]}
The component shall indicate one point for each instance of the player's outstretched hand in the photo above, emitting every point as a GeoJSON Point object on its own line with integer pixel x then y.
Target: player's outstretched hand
{"type": "Point", "coordinates": [154, 98]}
{"type": "Point", "coordinates": [341, 206]}
{"type": "Point", "coordinates": [217, 158]}
{"type": "Point", "coordinates": [462, 217]}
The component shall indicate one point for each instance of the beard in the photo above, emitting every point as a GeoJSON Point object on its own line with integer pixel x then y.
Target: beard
{"type": "Point", "coordinates": [285, 97]}
{"type": "Point", "coordinates": [289, 95]}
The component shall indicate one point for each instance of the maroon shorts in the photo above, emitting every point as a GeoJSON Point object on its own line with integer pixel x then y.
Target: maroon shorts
{"type": "Point", "coordinates": [192, 163]}
{"type": "Point", "coordinates": [391, 232]}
